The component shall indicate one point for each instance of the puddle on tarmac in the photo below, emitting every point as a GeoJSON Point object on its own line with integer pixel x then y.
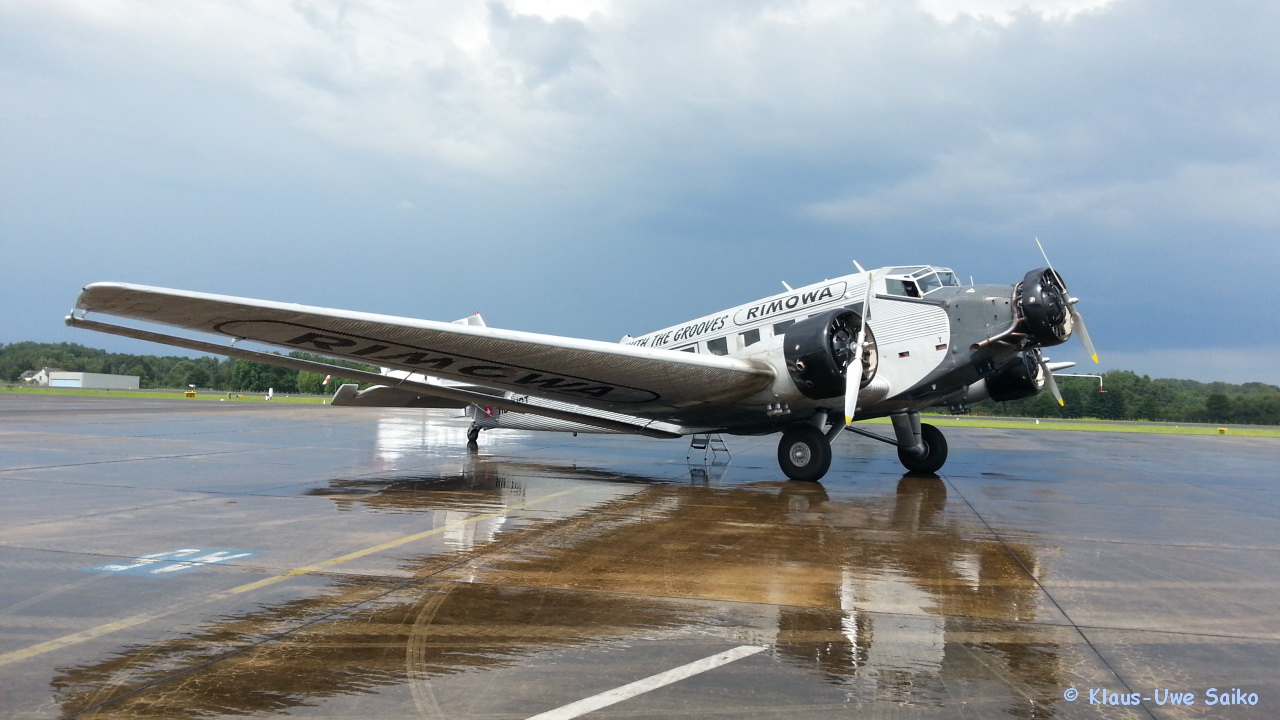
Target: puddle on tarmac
{"type": "Point", "coordinates": [892, 597]}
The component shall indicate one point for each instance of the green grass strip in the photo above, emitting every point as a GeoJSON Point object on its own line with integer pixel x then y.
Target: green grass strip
{"type": "Point", "coordinates": [1095, 425]}
{"type": "Point", "coordinates": [205, 395]}
{"type": "Point", "coordinates": [1082, 425]}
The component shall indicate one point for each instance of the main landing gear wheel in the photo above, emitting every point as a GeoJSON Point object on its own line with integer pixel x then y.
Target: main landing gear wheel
{"type": "Point", "coordinates": [935, 452]}
{"type": "Point", "coordinates": [473, 434]}
{"type": "Point", "coordinates": [804, 453]}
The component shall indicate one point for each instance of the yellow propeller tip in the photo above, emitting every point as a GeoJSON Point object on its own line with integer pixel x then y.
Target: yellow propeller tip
{"type": "Point", "coordinates": [848, 420]}
{"type": "Point", "coordinates": [1095, 357]}
{"type": "Point", "coordinates": [1062, 403]}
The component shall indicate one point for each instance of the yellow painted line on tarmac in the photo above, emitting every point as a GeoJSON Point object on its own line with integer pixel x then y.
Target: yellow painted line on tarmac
{"type": "Point", "coordinates": [75, 638]}
{"type": "Point", "coordinates": [125, 623]}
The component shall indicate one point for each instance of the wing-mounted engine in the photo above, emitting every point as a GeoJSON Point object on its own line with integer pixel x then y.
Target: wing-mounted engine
{"type": "Point", "coordinates": [1045, 308]}
{"type": "Point", "coordinates": [1021, 377]}
{"type": "Point", "coordinates": [819, 349]}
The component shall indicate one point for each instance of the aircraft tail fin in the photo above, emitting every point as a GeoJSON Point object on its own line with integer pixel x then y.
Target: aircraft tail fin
{"type": "Point", "coordinates": [472, 319]}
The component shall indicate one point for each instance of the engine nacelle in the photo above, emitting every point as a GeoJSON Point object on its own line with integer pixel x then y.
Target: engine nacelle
{"type": "Point", "coordinates": [1045, 309]}
{"type": "Point", "coordinates": [819, 349]}
{"type": "Point", "coordinates": [1019, 378]}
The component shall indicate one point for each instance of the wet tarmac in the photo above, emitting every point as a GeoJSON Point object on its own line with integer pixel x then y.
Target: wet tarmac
{"type": "Point", "coordinates": [170, 559]}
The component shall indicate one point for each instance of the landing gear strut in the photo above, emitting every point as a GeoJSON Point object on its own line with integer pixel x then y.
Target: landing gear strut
{"type": "Point", "coordinates": [804, 453]}
{"type": "Point", "coordinates": [473, 434]}
{"type": "Point", "coordinates": [934, 455]}
{"type": "Point", "coordinates": [922, 448]}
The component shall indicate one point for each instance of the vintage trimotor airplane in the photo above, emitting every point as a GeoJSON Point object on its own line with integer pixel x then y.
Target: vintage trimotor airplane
{"type": "Point", "coordinates": [779, 364]}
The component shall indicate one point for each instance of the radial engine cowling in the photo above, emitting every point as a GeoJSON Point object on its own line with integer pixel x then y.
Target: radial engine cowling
{"type": "Point", "coordinates": [1019, 378]}
{"type": "Point", "coordinates": [1045, 309]}
{"type": "Point", "coordinates": [818, 350]}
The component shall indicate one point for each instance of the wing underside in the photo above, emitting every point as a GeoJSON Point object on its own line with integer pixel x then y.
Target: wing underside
{"type": "Point", "coordinates": [644, 382]}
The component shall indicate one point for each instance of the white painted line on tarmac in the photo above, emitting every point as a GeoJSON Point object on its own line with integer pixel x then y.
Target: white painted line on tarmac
{"type": "Point", "coordinates": [653, 682]}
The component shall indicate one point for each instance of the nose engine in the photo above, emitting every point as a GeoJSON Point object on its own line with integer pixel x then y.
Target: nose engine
{"type": "Point", "coordinates": [1045, 308]}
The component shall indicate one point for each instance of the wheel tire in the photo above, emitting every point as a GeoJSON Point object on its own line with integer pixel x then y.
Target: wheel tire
{"type": "Point", "coordinates": [804, 453]}
{"type": "Point", "coordinates": [935, 452]}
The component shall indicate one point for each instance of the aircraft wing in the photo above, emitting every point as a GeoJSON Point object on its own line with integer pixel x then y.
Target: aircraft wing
{"type": "Point", "coordinates": [641, 381]}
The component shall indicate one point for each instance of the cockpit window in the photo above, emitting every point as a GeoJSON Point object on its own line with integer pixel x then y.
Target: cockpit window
{"type": "Point", "coordinates": [929, 283]}
{"type": "Point", "coordinates": [918, 281]}
{"type": "Point", "coordinates": [901, 288]}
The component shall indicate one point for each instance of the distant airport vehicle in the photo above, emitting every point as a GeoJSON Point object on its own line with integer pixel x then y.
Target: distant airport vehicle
{"type": "Point", "coordinates": [779, 364]}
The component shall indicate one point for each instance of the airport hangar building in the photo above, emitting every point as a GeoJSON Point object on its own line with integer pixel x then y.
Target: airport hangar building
{"type": "Point", "coordinates": [96, 381]}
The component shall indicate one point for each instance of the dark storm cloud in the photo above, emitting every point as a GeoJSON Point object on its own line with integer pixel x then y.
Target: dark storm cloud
{"type": "Point", "coordinates": [661, 158]}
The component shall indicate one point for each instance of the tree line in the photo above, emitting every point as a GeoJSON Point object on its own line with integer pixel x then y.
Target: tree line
{"type": "Point", "coordinates": [1128, 396]}
{"type": "Point", "coordinates": [171, 371]}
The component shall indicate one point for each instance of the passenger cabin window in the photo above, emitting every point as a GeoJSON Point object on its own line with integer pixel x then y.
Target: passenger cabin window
{"type": "Point", "coordinates": [719, 346]}
{"type": "Point", "coordinates": [750, 337]}
{"type": "Point", "coordinates": [691, 348]}
{"type": "Point", "coordinates": [779, 328]}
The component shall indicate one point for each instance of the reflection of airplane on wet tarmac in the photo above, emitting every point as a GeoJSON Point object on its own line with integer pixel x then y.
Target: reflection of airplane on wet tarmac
{"type": "Point", "coordinates": [778, 364]}
{"type": "Point", "coordinates": [885, 600]}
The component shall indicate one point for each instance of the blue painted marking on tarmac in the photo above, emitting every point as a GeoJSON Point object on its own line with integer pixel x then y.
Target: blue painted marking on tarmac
{"type": "Point", "coordinates": [173, 562]}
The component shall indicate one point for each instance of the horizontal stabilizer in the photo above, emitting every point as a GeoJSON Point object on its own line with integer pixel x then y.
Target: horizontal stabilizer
{"type": "Point", "coordinates": [383, 396]}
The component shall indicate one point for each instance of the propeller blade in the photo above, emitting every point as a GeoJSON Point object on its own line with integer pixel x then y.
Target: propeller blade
{"type": "Point", "coordinates": [1076, 321]}
{"type": "Point", "coordinates": [1084, 334]}
{"type": "Point", "coordinates": [1050, 382]}
{"type": "Point", "coordinates": [853, 371]}
{"type": "Point", "coordinates": [852, 381]}
{"type": "Point", "coordinates": [1046, 257]}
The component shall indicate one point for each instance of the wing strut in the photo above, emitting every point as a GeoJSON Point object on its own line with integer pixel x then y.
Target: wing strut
{"type": "Point", "coordinates": [467, 396]}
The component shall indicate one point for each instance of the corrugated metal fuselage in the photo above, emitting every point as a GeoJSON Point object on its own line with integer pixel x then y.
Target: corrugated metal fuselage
{"type": "Point", "coordinates": [930, 348]}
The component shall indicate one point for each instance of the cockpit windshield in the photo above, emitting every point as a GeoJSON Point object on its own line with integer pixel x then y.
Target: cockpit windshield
{"type": "Point", "coordinates": [918, 281]}
{"type": "Point", "coordinates": [929, 283]}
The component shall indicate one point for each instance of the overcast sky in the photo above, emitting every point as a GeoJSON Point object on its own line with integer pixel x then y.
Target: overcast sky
{"type": "Point", "coordinates": [595, 168]}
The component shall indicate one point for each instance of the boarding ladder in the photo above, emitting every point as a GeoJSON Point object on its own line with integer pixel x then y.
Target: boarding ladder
{"type": "Point", "coordinates": [711, 444]}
